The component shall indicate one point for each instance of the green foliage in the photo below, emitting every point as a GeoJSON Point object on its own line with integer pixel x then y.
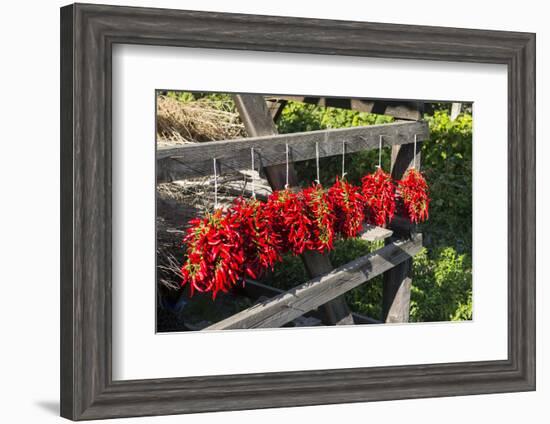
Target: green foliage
{"type": "Point", "coordinates": [442, 286]}
{"type": "Point", "coordinates": [182, 96]}
{"type": "Point", "coordinates": [447, 163]}
{"type": "Point", "coordinates": [442, 283]}
{"type": "Point", "coordinates": [298, 117]}
{"type": "Point", "coordinates": [286, 274]}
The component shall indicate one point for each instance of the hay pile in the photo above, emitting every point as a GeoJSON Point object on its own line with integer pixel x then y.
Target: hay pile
{"type": "Point", "coordinates": [196, 121]}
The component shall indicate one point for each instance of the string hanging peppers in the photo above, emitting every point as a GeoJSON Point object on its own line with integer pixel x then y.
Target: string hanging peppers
{"type": "Point", "coordinates": [215, 253]}
{"type": "Point", "coordinates": [289, 220]}
{"type": "Point", "coordinates": [261, 245]}
{"type": "Point", "coordinates": [348, 206]}
{"type": "Point", "coordinates": [225, 247]}
{"type": "Point", "coordinates": [379, 193]}
{"type": "Point", "coordinates": [319, 211]}
{"type": "Point", "coordinates": [413, 191]}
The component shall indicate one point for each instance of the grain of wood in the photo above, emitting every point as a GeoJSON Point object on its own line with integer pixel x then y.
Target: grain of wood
{"type": "Point", "coordinates": [396, 287]}
{"type": "Point", "coordinates": [254, 290]}
{"type": "Point", "coordinates": [192, 160]}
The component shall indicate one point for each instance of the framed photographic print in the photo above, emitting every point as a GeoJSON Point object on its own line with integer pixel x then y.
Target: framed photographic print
{"type": "Point", "coordinates": [265, 212]}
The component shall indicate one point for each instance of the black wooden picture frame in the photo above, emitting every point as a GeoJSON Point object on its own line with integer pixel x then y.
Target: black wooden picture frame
{"type": "Point", "coordinates": [88, 33]}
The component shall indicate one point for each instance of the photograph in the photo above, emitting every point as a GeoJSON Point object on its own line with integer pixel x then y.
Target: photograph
{"type": "Point", "coordinates": [279, 210]}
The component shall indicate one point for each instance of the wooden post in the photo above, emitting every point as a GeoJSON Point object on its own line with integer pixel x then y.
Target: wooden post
{"type": "Point", "coordinates": [396, 293]}
{"type": "Point", "coordinates": [257, 120]}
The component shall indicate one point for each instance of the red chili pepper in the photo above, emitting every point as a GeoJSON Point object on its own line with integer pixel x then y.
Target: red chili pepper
{"type": "Point", "coordinates": [289, 221]}
{"type": "Point", "coordinates": [413, 191]}
{"type": "Point", "coordinates": [213, 261]}
{"type": "Point", "coordinates": [379, 194]}
{"type": "Point", "coordinates": [348, 206]}
{"type": "Point", "coordinates": [318, 210]}
{"type": "Point", "coordinates": [261, 245]}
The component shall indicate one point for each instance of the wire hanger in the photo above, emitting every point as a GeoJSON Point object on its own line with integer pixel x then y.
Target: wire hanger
{"type": "Point", "coordinates": [414, 153]}
{"type": "Point", "coordinates": [287, 167]}
{"type": "Point", "coordinates": [343, 159]}
{"type": "Point", "coordinates": [253, 184]}
{"type": "Point", "coordinates": [215, 184]}
{"type": "Point", "coordinates": [318, 180]}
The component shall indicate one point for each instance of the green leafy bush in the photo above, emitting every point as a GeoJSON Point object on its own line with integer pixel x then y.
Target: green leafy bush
{"type": "Point", "coordinates": [447, 163]}
{"type": "Point", "coordinates": [442, 286]}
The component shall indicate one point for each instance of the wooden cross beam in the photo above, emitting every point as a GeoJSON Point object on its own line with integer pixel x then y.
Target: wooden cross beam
{"type": "Point", "coordinates": [255, 290]}
{"type": "Point", "coordinates": [195, 160]}
{"type": "Point", "coordinates": [399, 109]}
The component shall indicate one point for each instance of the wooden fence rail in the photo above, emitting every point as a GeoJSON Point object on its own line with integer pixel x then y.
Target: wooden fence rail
{"type": "Point", "coordinates": [285, 307]}
{"type": "Point", "coordinates": [195, 160]}
{"type": "Point", "coordinates": [255, 290]}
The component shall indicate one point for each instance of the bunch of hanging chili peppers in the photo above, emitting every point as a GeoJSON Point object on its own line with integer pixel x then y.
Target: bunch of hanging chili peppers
{"type": "Point", "coordinates": [250, 237]}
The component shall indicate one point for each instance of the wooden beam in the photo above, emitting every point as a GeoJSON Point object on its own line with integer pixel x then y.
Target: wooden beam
{"type": "Point", "coordinates": [276, 108]}
{"type": "Point", "coordinates": [255, 115]}
{"type": "Point", "coordinates": [293, 303]}
{"type": "Point", "coordinates": [456, 108]}
{"type": "Point", "coordinates": [195, 159]}
{"type": "Point", "coordinates": [399, 109]}
{"type": "Point", "coordinates": [396, 291]}
{"type": "Point", "coordinates": [259, 125]}
{"type": "Point", "coordinates": [363, 319]}
{"type": "Point", "coordinates": [335, 311]}
{"type": "Point", "coordinates": [372, 233]}
{"type": "Point", "coordinates": [254, 290]}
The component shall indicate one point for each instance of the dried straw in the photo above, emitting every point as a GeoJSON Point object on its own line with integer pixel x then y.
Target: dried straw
{"type": "Point", "coordinates": [196, 121]}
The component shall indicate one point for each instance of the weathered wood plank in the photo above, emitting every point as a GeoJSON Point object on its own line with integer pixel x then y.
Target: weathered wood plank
{"type": "Point", "coordinates": [456, 108]}
{"type": "Point", "coordinates": [255, 289]}
{"type": "Point", "coordinates": [276, 108]}
{"type": "Point", "coordinates": [363, 319]}
{"type": "Point", "coordinates": [305, 297]}
{"type": "Point", "coordinates": [335, 311]}
{"type": "Point", "coordinates": [372, 233]}
{"type": "Point", "coordinates": [396, 292]}
{"type": "Point", "coordinates": [192, 160]}
{"type": "Point", "coordinates": [399, 109]}
{"type": "Point", "coordinates": [257, 119]}
{"type": "Point", "coordinates": [258, 122]}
